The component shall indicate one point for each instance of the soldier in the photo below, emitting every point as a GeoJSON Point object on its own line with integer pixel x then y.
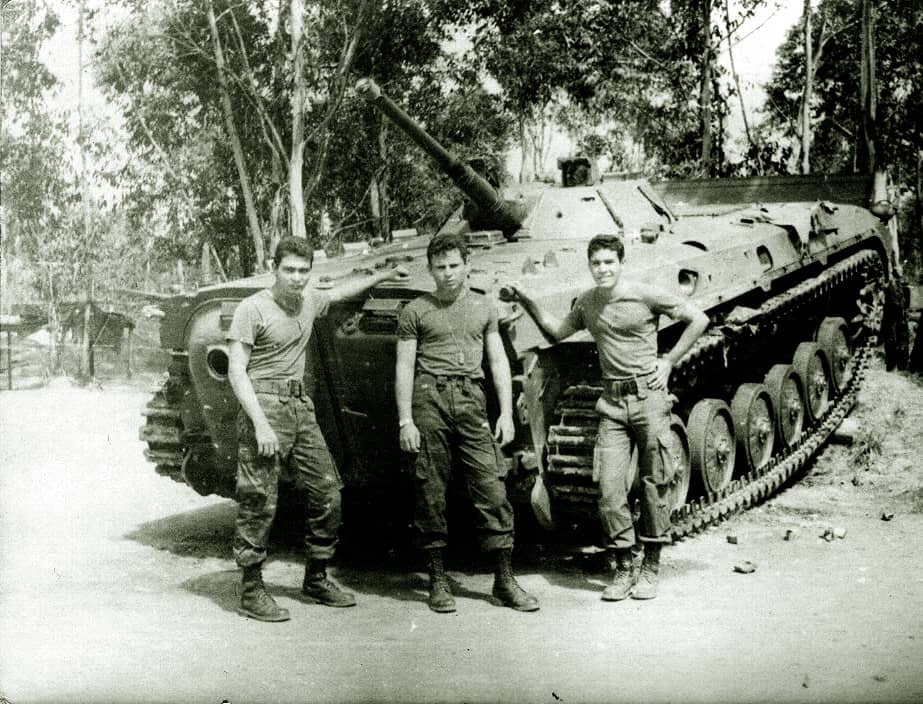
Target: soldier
{"type": "Point", "coordinates": [442, 414]}
{"type": "Point", "coordinates": [277, 431]}
{"type": "Point", "coordinates": [635, 407]}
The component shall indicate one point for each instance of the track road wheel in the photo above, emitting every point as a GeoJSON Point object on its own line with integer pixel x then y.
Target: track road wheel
{"type": "Point", "coordinates": [831, 336]}
{"type": "Point", "coordinates": [711, 443]}
{"type": "Point", "coordinates": [682, 468]}
{"type": "Point", "coordinates": [811, 364]}
{"type": "Point", "coordinates": [785, 391]}
{"type": "Point", "coordinates": [754, 425]}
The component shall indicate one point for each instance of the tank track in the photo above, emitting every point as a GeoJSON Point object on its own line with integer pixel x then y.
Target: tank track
{"type": "Point", "coordinates": [163, 430]}
{"type": "Point", "coordinates": [573, 434]}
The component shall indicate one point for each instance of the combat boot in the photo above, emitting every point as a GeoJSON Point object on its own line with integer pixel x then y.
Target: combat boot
{"type": "Point", "coordinates": [319, 589]}
{"type": "Point", "coordinates": [440, 595]}
{"type": "Point", "coordinates": [622, 579]}
{"type": "Point", "coordinates": [646, 588]}
{"type": "Point", "coordinates": [506, 589]}
{"type": "Point", "coordinates": [255, 601]}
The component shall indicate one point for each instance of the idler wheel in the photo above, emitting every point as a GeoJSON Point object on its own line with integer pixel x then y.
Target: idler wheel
{"type": "Point", "coordinates": [712, 448]}
{"type": "Point", "coordinates": [811, 364]}
{"type": "Point", "coordinates": [682, 467]}
{"type": "Point", "coordinates": [754, 425]}
{"type": "Point", "coordinates": [831, 336]}
{"type": "Point", "coordinates": [787, 395]}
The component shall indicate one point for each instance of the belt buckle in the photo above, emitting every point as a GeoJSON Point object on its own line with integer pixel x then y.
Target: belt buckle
{"type": "Point", "coordinates": [294, 388]}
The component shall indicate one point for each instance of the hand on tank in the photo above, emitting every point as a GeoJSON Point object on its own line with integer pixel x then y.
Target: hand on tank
{"type": "Point", "coordinates": [505, 431]}
{"type": "Point", "coordinates": [512, 291]}
{"type": "Point", "coordinates": [266, 441]}
{"type": "Point", "coordinates": [410, 438]}
{"type": "Point", "coordinates": [399, 272]}
{"type": "Point", "coordinates": [660, 377]}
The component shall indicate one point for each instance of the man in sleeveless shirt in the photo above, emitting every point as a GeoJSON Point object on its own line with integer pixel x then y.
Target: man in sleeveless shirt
{"type": "Point", "coordinates": [634, 410]}
{"type": "Point", "coordinates": [277, 431]}
{"type": "Point", "coordinates": [442, 337]}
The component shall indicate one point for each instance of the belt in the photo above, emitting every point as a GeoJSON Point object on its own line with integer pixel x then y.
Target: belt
{"type": "Point", "coordinates": [618, 388]}
{"type": "Point", "coordinates": [447, 379]}
{"type": "Point", "coordinates": [283, 387]}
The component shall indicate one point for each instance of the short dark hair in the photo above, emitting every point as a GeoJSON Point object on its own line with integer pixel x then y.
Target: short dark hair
{"type": "Point", "coordinates": [606, 241]}
{"type": "Point", "coordinates": [293, 245]}
{"type": "Point", "coordinates": [446, 242]}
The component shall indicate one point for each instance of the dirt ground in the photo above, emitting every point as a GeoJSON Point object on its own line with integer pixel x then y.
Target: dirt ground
{"type": "Point", "coordinates": [117, 585]}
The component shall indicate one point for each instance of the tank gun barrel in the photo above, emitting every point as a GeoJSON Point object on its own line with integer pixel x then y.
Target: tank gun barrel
{"type": "Point", "coordinates": [493, 210]}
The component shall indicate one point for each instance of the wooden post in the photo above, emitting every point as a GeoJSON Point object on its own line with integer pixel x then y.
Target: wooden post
{"type": "Point", "coordinates": [128, 361]}
{"type": "Point", "coordinates": [9, 361]}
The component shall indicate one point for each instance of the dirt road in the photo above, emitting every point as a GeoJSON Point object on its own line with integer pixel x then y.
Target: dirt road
{"type": "Point", "coordinates": [117, 585]}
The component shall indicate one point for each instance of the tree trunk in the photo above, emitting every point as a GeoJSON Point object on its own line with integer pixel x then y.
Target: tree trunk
{"type": "Point", "coordinates": [256, 233]}
{"type": "Point", "coordinates": [296, 162]}
{"type": "Point", "coordinates": [86, 357]}
{"type": "Point", "coordinates": [808, 92]}
{"type": "Point", "coordinates": [754, 149]}
{"type": "Point", "coordinates": [384, 183]}
{"type": "Point", "coordinates": [868, 151]}
{"type": "Point", "coordinates": [705, 94]}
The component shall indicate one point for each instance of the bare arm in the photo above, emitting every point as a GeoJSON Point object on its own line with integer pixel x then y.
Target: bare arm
{"type": "Point", "coordinates": [356, 288]}
{"type": "Point", "coordinates": [696, 323]}
{"type": "Point", "coordinates": [553, 326]}
{"type": "Point", "coordinates": [403, 392]}
{"type": "Point", "coordinates": [238, 357]}
{"type": "Point", "coordinates": [500, 371]}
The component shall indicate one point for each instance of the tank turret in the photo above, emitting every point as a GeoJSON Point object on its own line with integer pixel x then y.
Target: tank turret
{"type": "Point", "coordinates": [490, 211]}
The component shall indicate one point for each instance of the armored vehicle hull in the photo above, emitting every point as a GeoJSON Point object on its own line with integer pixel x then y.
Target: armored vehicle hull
{"type": "Point", "coordinates": [793, 291]}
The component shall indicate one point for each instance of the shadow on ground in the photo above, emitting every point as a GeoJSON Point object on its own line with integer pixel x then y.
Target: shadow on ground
{"type": "Point", "coordinates": [372, 562]}
{"type": "Point", "coordinates": [203, 532]}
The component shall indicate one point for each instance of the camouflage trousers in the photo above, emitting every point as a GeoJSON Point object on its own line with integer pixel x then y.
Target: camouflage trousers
{"type": "Point", "coordinates": [451, 415]}
{"type": "Point", "coordinates": [303, 459]}
{"type": "Point", "coordinates": [640, 420]}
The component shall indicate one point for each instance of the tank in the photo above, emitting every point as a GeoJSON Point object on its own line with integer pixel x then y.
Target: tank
{"type": "Point", "coordinates": [790, 271]}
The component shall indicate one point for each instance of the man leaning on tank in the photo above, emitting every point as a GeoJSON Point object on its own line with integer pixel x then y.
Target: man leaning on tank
{"type": "Point", "coordinates": [635, 407]}
{"type": "Point", "coordinates": [439, 385]}
{"type": "Point", "coordinates": [277, 432]}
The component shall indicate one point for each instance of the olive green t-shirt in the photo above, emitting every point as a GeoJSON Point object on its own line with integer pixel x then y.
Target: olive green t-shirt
{"type": "Point", "coordinates": [278, 339]}
{"type": "Point", "coordinates": [624, 326]}
{"type": "Point", "coordinates": [450, 336]}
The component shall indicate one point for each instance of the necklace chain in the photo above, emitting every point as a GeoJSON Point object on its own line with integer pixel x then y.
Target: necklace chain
{"type": "Point", "coordinates": [458, 345]}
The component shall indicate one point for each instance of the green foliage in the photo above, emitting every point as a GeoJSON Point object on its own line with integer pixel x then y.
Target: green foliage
{"type": "Point", "coordinates": [160, 68]}
{"type": "Point", "coordinates": [836, 112]}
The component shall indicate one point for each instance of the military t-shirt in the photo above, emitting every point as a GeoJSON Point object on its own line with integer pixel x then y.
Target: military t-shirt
{"type": "Point", "coordinates": [449, 335]}
{"type": "Point", "coordinates": [278, 339]}
{"type": "Point", "coordinates": [624, 325]}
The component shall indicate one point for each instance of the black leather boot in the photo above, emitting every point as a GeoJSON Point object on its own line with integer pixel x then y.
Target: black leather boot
{"type": "Point", "coordinates": [646, 588]}
{"type": "Point", "coordinates": [255, 601]}
{"type": "Point", "coordinates": [506, 589]}
{"type": "Point", "coordinates": [440, 595]}
{"type": "Point", "coordinates": [622, 578]}
{"type": "Point", "coordinates": [319, 589]}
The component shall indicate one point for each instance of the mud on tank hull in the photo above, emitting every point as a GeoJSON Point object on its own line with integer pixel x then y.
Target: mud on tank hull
{"type": "Point", "coordinates": [793, 293]}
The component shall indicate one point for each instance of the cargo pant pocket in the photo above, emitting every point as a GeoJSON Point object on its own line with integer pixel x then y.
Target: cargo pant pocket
{"type": "Point", "coordinates": [665, 472]}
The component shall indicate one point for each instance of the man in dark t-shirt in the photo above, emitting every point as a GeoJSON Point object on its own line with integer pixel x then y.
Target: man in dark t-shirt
{"type": "Point", "coordinates": [442, 414]}
{"type": "Point", "coordinates": [635, 407]}
{"type": "Point", "coordinates": [277, 432]}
